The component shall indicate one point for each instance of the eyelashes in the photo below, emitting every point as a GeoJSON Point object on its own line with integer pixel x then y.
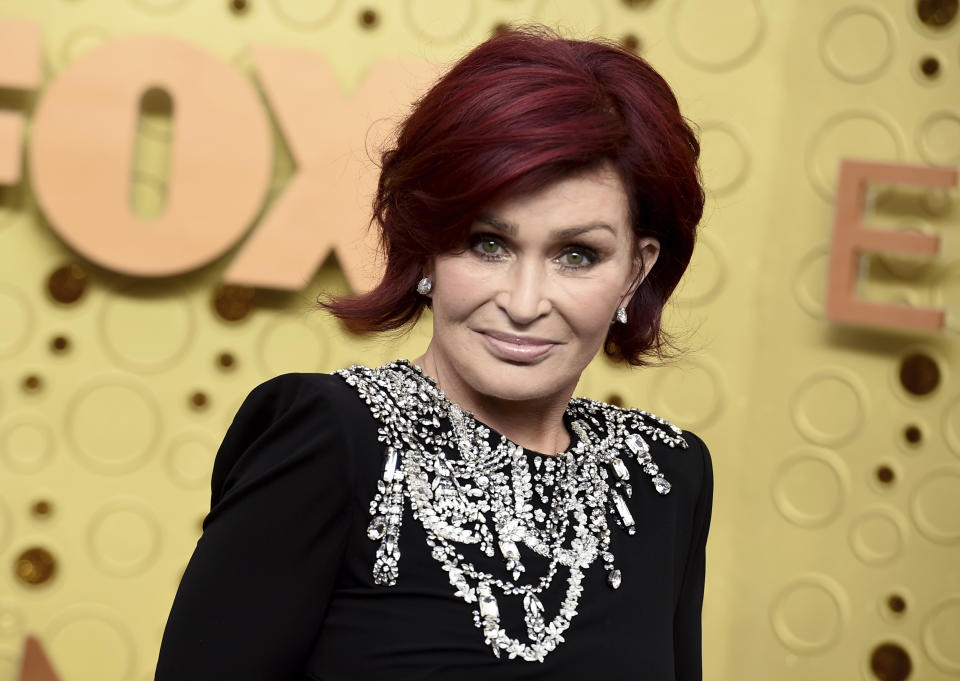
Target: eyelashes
{"type": "Point", "coordinates": [572, 257]}
{"type": "Point", "coordinates": [487, 246]}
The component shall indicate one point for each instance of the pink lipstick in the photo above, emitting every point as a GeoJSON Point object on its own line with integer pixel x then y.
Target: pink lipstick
{"type": "Point", "coordinates": [517, 348]}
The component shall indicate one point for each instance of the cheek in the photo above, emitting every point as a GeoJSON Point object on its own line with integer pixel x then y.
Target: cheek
{"type": "Point", "coordinates": [458, 290]}
{"type": "Point", "coordinates": [590, 304]}
{"type": "Point", "coordinates": [590, 322]}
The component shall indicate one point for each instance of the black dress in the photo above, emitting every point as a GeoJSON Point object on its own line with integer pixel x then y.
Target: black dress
{"type": "Point", "coordinates": [280, 584]}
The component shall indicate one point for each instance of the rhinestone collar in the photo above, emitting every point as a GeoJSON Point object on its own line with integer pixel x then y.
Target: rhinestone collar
{"type": "Point", "coordinates": [466, 484]}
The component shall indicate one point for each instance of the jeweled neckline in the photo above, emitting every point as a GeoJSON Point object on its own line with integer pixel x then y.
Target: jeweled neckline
{"type": "Point", "coordinates": [567, 418]}
{"type": "Point", "coordinates": [486, 498]}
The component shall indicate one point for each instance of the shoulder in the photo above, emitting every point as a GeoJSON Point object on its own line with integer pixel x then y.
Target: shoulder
{"type": "Point", "coordinates": [652, 430]}
{"type": "Point", "coordinates": [684, 459]}
{"type": "Point", "coordinates": [681, 454]}
{"type": "Point", "coordinates": [700, 466]}
{"type": "Point", "coordinates": [297, 392]}
{"type": "Point", "coordinates": [659, 447]}
{"type": "Point", "coordinates": [290, 420]}
{"type": "Point", "coordinates": [286, 389]}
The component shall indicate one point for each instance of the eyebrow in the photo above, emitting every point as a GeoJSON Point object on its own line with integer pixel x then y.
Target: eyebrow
{"type": "Point", "coordinates": [559, 234]}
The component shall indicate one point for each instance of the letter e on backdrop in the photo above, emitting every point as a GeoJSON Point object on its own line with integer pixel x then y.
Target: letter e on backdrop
{"type": "Point", "coordinates": [851, 238]}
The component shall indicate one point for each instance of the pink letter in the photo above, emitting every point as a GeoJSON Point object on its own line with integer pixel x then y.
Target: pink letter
{"type": "Point", "coordinates": [851, 237]}
{"type": "Point", "coordinates": [326, 205]}
{"type": "Point", "coordinates": [20, 69]}
{"type": "Point", "coordinates": [82, 151]}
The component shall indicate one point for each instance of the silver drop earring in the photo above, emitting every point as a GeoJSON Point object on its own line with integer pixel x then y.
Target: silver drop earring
{"type": "Point", "coordinates": [424, 286]}
{"type": "Point", "coordinates": [622, 315]}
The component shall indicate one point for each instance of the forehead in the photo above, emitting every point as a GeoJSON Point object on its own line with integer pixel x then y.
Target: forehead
{"type": "Point", "coordinates": [595, 195]}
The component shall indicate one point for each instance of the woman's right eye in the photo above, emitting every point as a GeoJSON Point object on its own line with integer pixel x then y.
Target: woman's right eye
{"type": "Point", "coordinates": [487, 246]}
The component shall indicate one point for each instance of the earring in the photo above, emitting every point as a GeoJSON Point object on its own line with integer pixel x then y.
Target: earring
{"type": "Point", "coordinates": [622, 315]}
{"type": "Point", "coordinates": [424, 286]}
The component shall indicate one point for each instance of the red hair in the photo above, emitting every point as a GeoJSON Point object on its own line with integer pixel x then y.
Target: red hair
{"type": "Point", "coordinates": [519, 111]}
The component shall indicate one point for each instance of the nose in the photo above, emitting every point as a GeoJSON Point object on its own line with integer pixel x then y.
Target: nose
{"type": "Point", "coordinates": [525, 293]}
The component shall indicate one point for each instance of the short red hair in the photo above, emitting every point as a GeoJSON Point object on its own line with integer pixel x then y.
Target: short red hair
{"type": "Point", "coordinates": [519, 111]}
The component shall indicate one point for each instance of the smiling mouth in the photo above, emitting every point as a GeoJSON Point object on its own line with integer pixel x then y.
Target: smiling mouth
{"type": "Point", "coordinates": [513, 348]}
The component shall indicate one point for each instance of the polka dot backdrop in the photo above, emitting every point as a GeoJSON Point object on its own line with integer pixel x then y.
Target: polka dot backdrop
{"type": "Point", "coordinates": [836, 532]}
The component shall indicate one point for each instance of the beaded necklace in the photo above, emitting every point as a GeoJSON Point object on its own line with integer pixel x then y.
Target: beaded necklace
{"type": "Point", "coordinates": [464, 489]}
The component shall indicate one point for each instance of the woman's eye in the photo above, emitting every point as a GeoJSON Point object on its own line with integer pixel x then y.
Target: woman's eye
{"type": "Point", "coordinates": [487, 246]}
{"type": "Point", "coordinates": [577, 257]}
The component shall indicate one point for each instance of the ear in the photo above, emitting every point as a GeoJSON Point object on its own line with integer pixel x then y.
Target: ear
{"type": "Point", "coordinates": [427, 267]}
{"type": "Point", "coordinates": [648, 249]}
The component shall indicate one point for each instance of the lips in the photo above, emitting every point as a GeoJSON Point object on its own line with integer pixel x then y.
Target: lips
{"type": "Point", "coordinates": [517, 348]}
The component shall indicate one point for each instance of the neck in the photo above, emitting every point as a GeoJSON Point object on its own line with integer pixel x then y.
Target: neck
{"type": "Point", "coordinates": [535, 424]}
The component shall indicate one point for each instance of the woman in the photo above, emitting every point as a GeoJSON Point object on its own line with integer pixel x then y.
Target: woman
{"type": "Point", "coordinates": [462, 516]}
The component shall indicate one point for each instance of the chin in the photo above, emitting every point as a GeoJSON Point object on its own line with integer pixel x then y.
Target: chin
{"type": "Point", "coordinates": [521, 382]}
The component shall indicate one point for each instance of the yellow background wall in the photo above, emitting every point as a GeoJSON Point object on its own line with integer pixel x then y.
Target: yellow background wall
{"type": "Point", "coordinates": [835, 546]}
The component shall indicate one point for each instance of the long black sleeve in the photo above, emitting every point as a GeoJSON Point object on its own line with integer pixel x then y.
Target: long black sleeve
{"type": "Point", "coordinates": [254, 594]}
{"type": "Point", "coordinates": [687, 619]}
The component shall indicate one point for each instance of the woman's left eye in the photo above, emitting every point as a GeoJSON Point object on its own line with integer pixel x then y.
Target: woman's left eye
{"type": "Point", "coordinates": [489, 246]}
{"type": "Point", "coordinates": [575, 258]}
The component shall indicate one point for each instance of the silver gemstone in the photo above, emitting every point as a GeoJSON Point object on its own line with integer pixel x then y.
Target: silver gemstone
{"type": "Point", "coordinates": [488, 607]}
{"type": "Point", "coordinates": [376, 528]}
{"type": "Point", "coordinates": [614, 578]}
{"type": "Point", "coordinates": [390, 465]}
{"type": "Point", "coordinates": [509, 549]}
{"type": "Point", "coordinates": [661, 485]}
{"type": "Point", "coordinates": [620, 469]}
{"type": "Point", "coordinates": [532, 604]}
{"type": "Point", "coordinates": [622, 509]}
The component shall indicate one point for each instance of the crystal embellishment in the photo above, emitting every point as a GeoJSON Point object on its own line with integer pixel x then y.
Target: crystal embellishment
{"type": "Point", "coordinates": [488, 606]}
{"type": "Point", "coordinates": [614, 578]}
{"type": "Point", "coordinates": [376, 528]}
{"type": "Point", "coordinates": [622, 509]}
{"type": "Point", "coordinates": [661, 485]}
{"type": "Point", "coordinates": [636, 444]}
{"type": "Point", "coordinates": [465, 485]}
{"type": "Point", "coordinates": [620, 468]}
{"type": "Point", "coordinates": [510, 550]}
{"type": "Point", "coordinates": [390, 465]}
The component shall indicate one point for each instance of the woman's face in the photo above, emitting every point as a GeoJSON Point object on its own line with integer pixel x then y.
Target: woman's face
{"type": "Point", "coordinates": [521, 312]}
